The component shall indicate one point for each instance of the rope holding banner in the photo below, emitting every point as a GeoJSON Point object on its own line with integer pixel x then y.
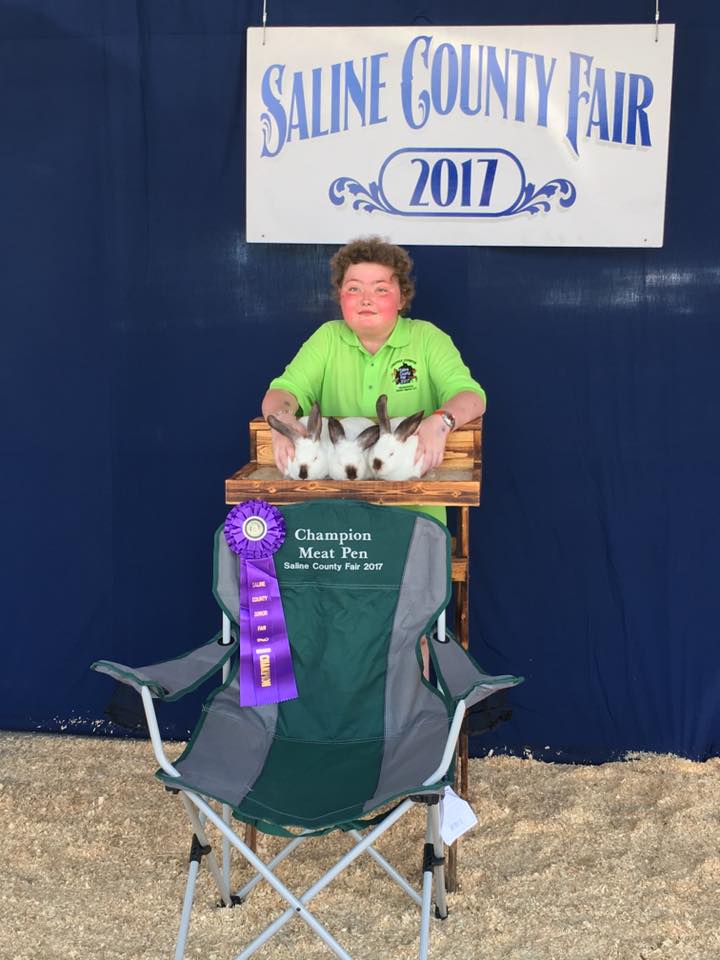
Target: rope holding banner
{"type": "Point", "coordinates": [657, 19]}
{"type": "Point", "coordinates": [265, 19]}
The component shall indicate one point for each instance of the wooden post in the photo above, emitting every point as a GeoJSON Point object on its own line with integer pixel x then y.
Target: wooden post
{"type": "Point", "coordinates": [251, 837]}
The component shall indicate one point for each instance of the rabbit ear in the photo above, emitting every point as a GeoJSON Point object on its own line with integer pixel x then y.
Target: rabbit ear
{"type": "Point", "coordinates": [336, 430]}
{"type": "Point", "coordinates": [285, 429]}
{"type": "Point", "coordinates": [314, 424]}
{"type": "Point", "coordinates": [407, 427]}
{"type": "Point", "coordinates": [369, 437]}
{"type": "Point", "coordinates": [381, 410]}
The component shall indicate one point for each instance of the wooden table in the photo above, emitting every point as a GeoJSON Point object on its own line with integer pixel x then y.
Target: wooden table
{"type": "Point", "coordinates": [455, 483]}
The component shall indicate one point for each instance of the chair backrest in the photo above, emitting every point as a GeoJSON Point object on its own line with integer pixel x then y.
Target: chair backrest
{"type": "Point", "coordinates": [360, 584]}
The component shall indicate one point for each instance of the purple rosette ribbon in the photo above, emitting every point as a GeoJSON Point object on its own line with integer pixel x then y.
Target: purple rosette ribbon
{"type": "Point", "coordinates": [255, 530]}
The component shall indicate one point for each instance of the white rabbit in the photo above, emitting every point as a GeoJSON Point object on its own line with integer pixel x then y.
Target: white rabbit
{"type": "Point", "coordinates": [393, 456]}
{"type": "Point", "coordinates": [350, 439]}
{"type": "Point", "coordinates": [310, 459]}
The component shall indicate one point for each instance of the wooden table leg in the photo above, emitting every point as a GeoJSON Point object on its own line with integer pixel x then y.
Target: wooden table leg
{"type": "Point", "coordinates": [451, 880]}
{"type": "Point", "coordinates": [251, 836]}
{"type": "Point", "coordinates": [461, 589]}
{"type": "Point", "coordinates": [462, 549]}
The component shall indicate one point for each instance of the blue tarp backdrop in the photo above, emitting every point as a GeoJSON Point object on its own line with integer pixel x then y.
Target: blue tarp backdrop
{"type": "Point", "coordinates": [140, 332]}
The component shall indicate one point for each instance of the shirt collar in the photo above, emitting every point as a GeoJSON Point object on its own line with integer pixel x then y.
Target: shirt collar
{"type": "Point", "coordinates": [399, 337]}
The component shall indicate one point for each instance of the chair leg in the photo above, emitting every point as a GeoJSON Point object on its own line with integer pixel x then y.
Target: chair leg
{"type": "Point", "coordinates": [433, 875]}
{"type": "Point", "coordinates": [388, 868]}
{"type": "Point", "coordinates": [187, 907]}
{"type": "Point", "coordinates": [271, 864]}
{"type": "Point", "coordinates": [297, 905]}
{"type": "Point", "coordinates": [438, 863]}
{"type": "Point", "coordinates": [226, 848]}
{"type": "Point", "coordinates": [200, 848]}
{"type": "Point", "coordinates": [426, 903]}
{"type": "Point", "coordinates": [199, 831]}
{"type": "Point", "coordinates": [364, 844]}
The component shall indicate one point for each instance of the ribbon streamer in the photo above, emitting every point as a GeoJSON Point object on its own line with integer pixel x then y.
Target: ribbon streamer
{"type": "Point", "coordinates": [255, 530]}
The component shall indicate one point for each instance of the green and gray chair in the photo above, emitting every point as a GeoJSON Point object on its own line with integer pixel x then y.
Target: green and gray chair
{"type": "Point", "coordinates": [360, 585]}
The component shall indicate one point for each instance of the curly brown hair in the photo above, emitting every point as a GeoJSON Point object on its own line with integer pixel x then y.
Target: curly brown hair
{"type": "Point", "coordinates": [374, 250]}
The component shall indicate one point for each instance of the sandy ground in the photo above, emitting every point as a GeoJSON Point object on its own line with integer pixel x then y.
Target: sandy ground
{"type": "Point", "coordinates": [616, 862]}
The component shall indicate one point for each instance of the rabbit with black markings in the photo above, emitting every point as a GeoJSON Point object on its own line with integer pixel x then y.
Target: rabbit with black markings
{"type": "Point", "coordinates": [350, 439]}
{"type": "Point", "coordinates": [310, 458]}
{"type": "Point", "coordinates": [393, 456]}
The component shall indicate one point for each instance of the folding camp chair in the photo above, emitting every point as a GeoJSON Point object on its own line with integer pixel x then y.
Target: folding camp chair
{"type": "Point", "coordinates": [360, 585]}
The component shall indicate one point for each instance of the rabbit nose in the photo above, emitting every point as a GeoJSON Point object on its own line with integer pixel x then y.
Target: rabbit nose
{"type": "Point", "coordinates": [377, 464]}
{"type": "Point", "coordinates": [303, 472]}
{"type": "Point", "coordinates": [351, 473]}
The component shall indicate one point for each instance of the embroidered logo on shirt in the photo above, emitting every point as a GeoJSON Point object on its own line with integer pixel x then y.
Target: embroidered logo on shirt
{"type": "Point", "coordinates": [404, 374]}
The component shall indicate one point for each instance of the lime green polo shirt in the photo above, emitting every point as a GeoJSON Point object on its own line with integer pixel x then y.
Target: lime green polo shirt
{"type": "Point", "coordinates": [418, 367]}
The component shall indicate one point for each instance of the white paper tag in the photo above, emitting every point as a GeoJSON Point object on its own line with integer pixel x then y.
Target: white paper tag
{"type": "Point", "coordinates": [456, 816]}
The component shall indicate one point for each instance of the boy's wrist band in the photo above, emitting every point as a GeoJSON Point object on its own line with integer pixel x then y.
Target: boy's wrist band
{"type": "Point", "coordinates": [447, 417]}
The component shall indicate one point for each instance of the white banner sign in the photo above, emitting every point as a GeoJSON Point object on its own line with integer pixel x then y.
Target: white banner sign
{"type": "Point", "coordinates": [526, 136]}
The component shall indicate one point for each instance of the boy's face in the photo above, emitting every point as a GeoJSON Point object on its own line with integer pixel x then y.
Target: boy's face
{"type": "Point", "coordinates": [370, 300]}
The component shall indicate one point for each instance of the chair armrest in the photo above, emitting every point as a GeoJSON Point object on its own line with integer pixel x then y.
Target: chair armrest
{"type": "Point", "coordinates": [172, 679]}
{"type": "Point", "coordinates": [461, 678]}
